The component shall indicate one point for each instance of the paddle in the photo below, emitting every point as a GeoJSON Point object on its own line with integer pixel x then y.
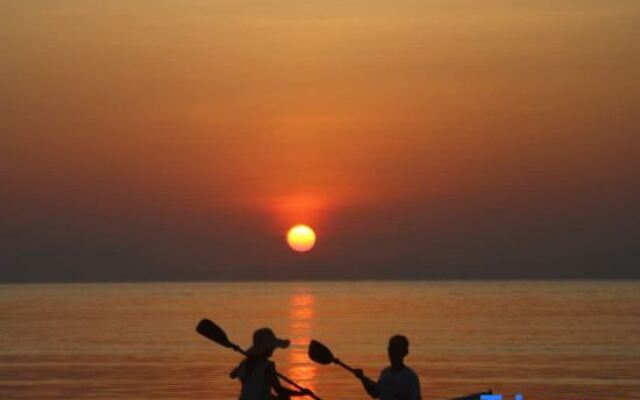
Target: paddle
{"type": "Point", "coordinates": [213, 332]}
{"type": "Point", "coordinates": [321, 354]}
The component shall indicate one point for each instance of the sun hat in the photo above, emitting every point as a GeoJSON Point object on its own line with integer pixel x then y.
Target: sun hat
{"type": "Point", "coordinates": [264, 340]}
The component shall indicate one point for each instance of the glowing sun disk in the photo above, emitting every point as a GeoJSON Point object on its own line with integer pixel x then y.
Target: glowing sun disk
{"type": "Point", "coordinates": [301, 238]}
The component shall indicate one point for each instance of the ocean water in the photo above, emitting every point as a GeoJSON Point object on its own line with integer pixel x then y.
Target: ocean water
{"type": "Point", "coordinates": [546, 340]}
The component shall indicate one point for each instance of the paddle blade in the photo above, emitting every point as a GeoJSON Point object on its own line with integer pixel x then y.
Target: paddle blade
{"type": "Point", "coordinates": [211, 331]}
{"type": "Point", "coordinates": [320, 353]}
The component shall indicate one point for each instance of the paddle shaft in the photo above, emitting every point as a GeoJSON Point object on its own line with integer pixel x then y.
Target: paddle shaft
{"type": "Point", "coordinates": [237, 348]}
{"type": "Point", "coordinates": [343, 365]}
{"type": "Point", "coordinates": [349, 368]}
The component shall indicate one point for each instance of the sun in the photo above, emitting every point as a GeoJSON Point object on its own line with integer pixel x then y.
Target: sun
{"type": "Point", "coordinates": [301, 238]}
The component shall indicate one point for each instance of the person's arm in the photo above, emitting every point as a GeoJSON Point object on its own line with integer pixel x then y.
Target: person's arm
{"type": "Point", "coordinates": [414, 391]}
{"type": "Point", "coordinates": [369, 386]}
{"type": "Point", "coordinates": [237, 371]}
{"type": "Point", "coordinates": [281, 390]}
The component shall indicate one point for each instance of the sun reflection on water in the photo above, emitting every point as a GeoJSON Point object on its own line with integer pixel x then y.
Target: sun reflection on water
{"type": "Point", "coordinates": [301, 317]}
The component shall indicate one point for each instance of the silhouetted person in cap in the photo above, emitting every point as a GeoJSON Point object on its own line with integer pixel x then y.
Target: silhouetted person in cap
{"type": "Point", "coordinates": [258, 374]}
{"type": "Point", "coordinates": [397, 381]}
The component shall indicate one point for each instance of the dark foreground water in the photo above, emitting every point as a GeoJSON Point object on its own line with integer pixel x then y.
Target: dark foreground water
{"type": "Point", "coordinates": [547, 340]}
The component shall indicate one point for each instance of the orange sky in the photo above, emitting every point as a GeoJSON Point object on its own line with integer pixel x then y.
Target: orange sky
{"type": "Point", "coordinates": [212, 126]}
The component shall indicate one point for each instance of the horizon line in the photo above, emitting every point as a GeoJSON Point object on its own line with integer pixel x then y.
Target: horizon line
{"type": "Point", "coordinates": [347, 280]}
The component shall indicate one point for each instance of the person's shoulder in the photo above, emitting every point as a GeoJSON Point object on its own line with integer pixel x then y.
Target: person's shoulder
{"type": "Point", "coordinates": [410, 372]}
{"type": "Point", "coordinates": [386, 370]}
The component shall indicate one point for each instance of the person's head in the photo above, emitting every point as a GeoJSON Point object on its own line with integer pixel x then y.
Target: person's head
{"type": "Point", "coordinates": [265, 342]}
{"type": "Point", "coordinates": [398, 348]}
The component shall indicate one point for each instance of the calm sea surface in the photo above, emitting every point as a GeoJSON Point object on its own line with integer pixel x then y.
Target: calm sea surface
{"type": "Point", "coordinates": [547, 340]}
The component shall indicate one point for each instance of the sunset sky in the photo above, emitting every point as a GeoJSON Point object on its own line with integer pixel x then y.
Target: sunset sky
{"type": "Point", "coordinates": [178, 140]}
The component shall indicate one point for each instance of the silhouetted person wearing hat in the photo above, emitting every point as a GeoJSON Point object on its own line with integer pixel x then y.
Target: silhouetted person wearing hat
{"type": "Point", "coordinates": [396, 382]}
{"type": "Point", "coordinates": [258, 374]}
